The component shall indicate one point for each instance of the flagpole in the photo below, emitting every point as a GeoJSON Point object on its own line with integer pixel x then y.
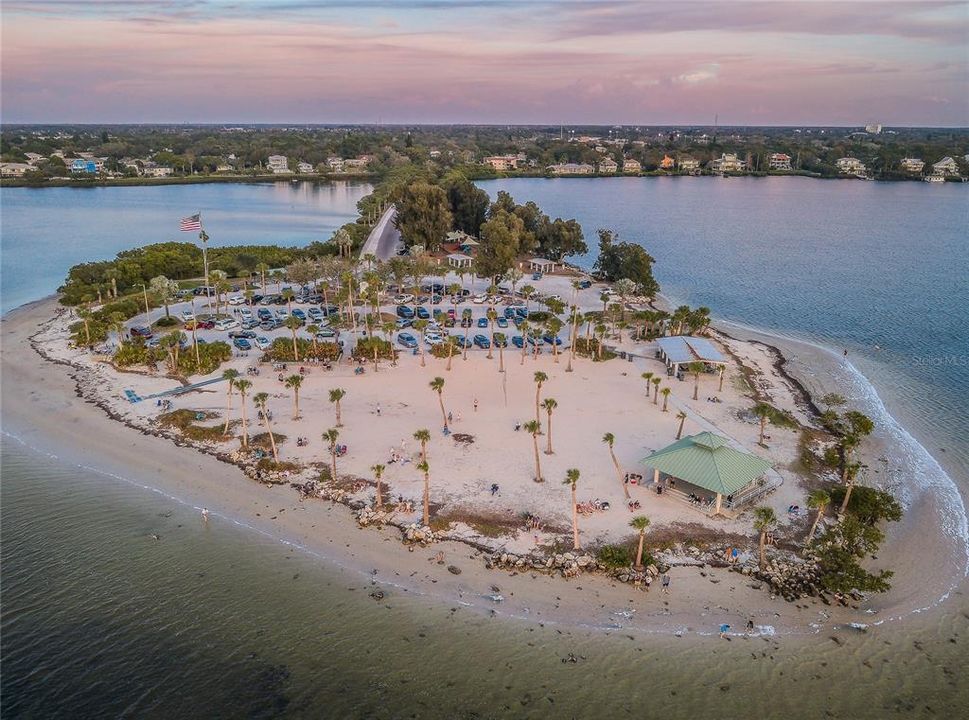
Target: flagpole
{"type": "Point", "coordinates": [205, 260]}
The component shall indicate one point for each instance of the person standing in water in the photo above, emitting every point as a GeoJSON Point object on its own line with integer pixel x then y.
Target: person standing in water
{"type": "Point", "coordinates": [205, 514]}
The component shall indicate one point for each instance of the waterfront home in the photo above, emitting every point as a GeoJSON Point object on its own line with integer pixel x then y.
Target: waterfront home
{"type": "Point", "coordinates": [851, 166]}
{"type": "Point", "coordinates": [608, 166]}
{"type": "Point", "coordinates": [728, 162]}
{"type": "Point", "coordinates": [357, 163]}
{"type": "Point", "coordinates": [335, 164]}
{"type": "Point", "coordinates": [705, 471]}
{"type": "Point", "coordinates": [571, 169]}
{"type": "Point", "coordinates": [688, 164]}
{"type": "Point", "coordinates": [34, 158]}
{"type": "Point", "coordinates": [87, 166]}
{"type": "Point", "coordinates": [912, 165]}
{"type": "Point", "coordinates": [13, 169]}
{"type": "Point", "coordinates": [946, 167]}
{"type": "Point", "coordinates": [304, 167]}
{"type": "Point", "coordinates": [156, 171]}
{"type": "Point", "coordinates": [667, 163]}
{"type": "Point", "coordinates": [779, 161]}
{"type": "Point", "coordinates": [501, 162]}
{"type": "Point", "coordinates": [631, 166]}
{"type": "Point", "coordinates": [278, 164]}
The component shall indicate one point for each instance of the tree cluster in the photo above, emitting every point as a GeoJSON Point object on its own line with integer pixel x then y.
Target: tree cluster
{"type": "Point", "coordinates": [618, 260]}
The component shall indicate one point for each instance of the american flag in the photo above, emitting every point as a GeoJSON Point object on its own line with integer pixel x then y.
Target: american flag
{"type": "Point", "coordinates": [191, 224]}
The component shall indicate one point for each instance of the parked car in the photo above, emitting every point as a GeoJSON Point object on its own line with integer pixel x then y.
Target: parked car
{"type": "Point", "coordinates": [248, 334]}
{"type": "Point", "coordinates": [482, 322]}
{"type": "Point", "coordinates": [403, 323]}
{"type": "Point", "coordinates": [269, 325]}
{"type": "Point", "coordinates": [482, 341]}
{"type": "Point", "coordinates": [423, 313]}
{"type": "Point", "coordinates": [245, 313]}
{"type": "Point", "coordinates": [407, 340]}
{"type": "Point", "coordinates": [518, 342]}
{"type": "Point", "coordinates": [330, 310]}
{"type": "Point", "coordinates": [242, 344]}
{"type": "Point", "coordinates": [187, 316]}
{"type": "Point", "coordinates": [237, 300]}
{"type": "Point", "coordinates": [265, 314]}
{"type": "Point", "coordinates": [299, 314]}
{"type": "Point", "coordinates": [461, 341]}
{"type": "Point", "coordinates": [315, 313]}
{"type": "Point", "coordinates": [478, 299]}
{"type": "Point", "coordinates": [535, 340]}
{"type": "Point", "coordinates": [144, 332]}
{"type": "Point", "coordinates": [585, 284]}
{"type": "Point", "coordinates": [403, 311]}
{"type": "Point", "coordinates": [403, 299]}
{"type": "Point", "coordinates": [326, 334]}
{"type": "Point", "coordinates": [552, 340]}
{"type": "Point", "coordinates": [262, 342]}
{"type": "Point", "coordinates": [502, 322]}
{"type": "Point", "coordinates": [250, 324]}
{"type": "Point", "coordinates": [433, 338]}
{"type": "Point", "coordinates": [223, 325]}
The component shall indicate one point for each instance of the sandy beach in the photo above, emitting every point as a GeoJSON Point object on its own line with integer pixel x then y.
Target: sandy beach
{"type": "Point", "coordinates": [61, 407]}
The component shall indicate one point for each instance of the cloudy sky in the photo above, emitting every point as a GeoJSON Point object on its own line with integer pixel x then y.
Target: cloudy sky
{"type": "Point", "coordinates": [897, 62]}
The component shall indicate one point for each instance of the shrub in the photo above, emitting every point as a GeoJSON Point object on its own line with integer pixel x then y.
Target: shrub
{"type": "Point", "coordinates": [282, 350]}
{"type": "Point", "coordinates": [615, 556]}
{"type": "Point", "coordinates": [870, 505]}
{"type": "Point", "coordinates": [166, 322]}
{"type": "Point", "coordinates": [131, 353]}
{"type": "Point", "coordinates": [366, 346]}
{"type": "Point", "coordinates": [184, 420]}
{"type": "Point", "coordinates": [211, 356]}
{"type": "Point", "coordinates": [441, 349]}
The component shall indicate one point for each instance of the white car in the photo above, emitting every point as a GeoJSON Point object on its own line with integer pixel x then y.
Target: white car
{"type": "Point", "coordinates": [237, 300]}
{"type": "Point", "coordinates": [479, 299]}
{"type": "Point", "coordinates": [282, 313]}
{"type": "Point", "coordinates": [246, 313]}
{"type": "Point", "coordinates": [229, 324]}
{"type": "Point", "coordinates": [433, 338]}
{"type": "Point", "coordinates": [262, 342]}
{"type": "Point", "coordinates": [187, 316]}
{"type": "Point", "coordinates": [403, 299]}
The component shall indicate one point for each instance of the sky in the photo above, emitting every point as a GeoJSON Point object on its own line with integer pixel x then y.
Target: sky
{"type": "Point", "coordinates": [749, 62]}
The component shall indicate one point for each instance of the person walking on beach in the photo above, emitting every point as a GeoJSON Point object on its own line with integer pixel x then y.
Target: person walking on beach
{"type": "Point", "coordinates": [378, 409]}
{"type": "Point", "coordinates": [724, 629]}
{"type": "Point", "coordinates": [205, 514]}
{"type": "Point", "coordinates": [666, 584]}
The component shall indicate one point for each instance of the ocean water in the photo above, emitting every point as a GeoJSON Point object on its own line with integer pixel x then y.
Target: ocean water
{"type": "Point", "coordinates": [44, 231]}
{"type": "Point", "coordinates": [879, 269]}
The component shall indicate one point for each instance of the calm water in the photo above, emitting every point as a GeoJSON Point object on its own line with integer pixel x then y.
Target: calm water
{"type": "Point", "coordinates": [46, 231]}
{"type": "Point", "coordinates": [99, 620]}
{"type": "Point", "coordinates": [881, 269]}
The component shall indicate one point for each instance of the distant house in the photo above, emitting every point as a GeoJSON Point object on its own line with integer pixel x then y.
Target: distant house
{"type": "Point", "coordinates": [912, 165]}
{"type": "Point", "coordinates": [304, 168]}
{"type": "Point", "coordinates": [631, 166]}
{"type": "Point", "coordinates": [946, 167]}
{"type": "Point", "coordinates": [278, 164]}
{"type": "Point", "coordinates": [608, 166]}
{"type": "Point", "coordinates": [728, 162]}
{"type": "Point", "coordinates": [501, 162]}
{"type": "Point", "coordinates": [34, 158]}
{"type": "Point", "coordinates": [779, 161]}
{"type": "Point", "coordinates": [86, 166]}
{"type": "Point", "coordinates": [358, 162]}
{"type": "Point", "coordinates": [688, 164]}
{"type": "Point", "coordinates": [851, 166]}
{"type": "Point", "coordinates": [571, 169]}
{"type": "Point", "coordinates": [13, 169]}
{"type": "Point", "coordinates": [873, 129]}
{"type": "Point", "coordinates": [335, 164]}
{"type": "Point", "coordinates": [156, 171]}
{"type": "Point", "coordinates": [667, 163]}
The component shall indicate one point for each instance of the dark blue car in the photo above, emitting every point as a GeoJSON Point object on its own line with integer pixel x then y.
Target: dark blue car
{"type": "Point", "coordinates": [550, 340]}
{"type": "Point", "coordinates": [423, 313]}
{"type": "Point", "coordinates": [517, 341]}
{"type": "Point", "coordinates": [242, 343]}
{"type": "Point", "coordinates": [509, 312]}
{"type": "Point", "coordinates": [482, 341]}
{"type": "Point", "coordinates": [482, 322]}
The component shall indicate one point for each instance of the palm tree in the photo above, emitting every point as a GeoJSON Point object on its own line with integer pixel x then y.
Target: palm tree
{"type": "Point", "coordinates": [492, 316]}
{"type": "Point", "coordinates": [764, 521]}
{"type": "Point", "coordinates": [681, 416]}
{"type": "Point", "coordinates": [426, 469]}
{"type": "Point", "coordinates": [572, 479]}
{"type": "Point", "coordinates": [312, 330]}
{"type": "Point", "coordinates": [85, 315]}
{"type": "Point", "coordinates": [293, 382]}
{"type": "Point", "coordinates": [423, 436]}
{"type": "Point", "coordinates": [243, 385]}
{"type": "Point", "coordinates": [648, 377]}
{"type": "Point", "coordinates": [229, 376]}
{"type": "Point", "coordinates": [540, 379]}
{"type": "Point", "coordinates": [420, 325]}
{"type": "Point", "coordinates": [610, 439]}
{"type": "Point", "coordinates": [330, 437]}
{"type": "Point", "coordinates": [763, 411]}
{"type": "Point", "coordinates": [549, 404]}
{"type": "Point", "coordinates": [656, 382]}
{"type": "Point", "coordinates": [850, 475]}
{"type": "Point", "coordinates": [437, 385]}
{"type": "Point", "coordinates": [533, 428]}
{"type": "Point", "coordinates": [574, 332]}
{"type": "Point", "coordinates": [294, 324]}
{"type": "Point", "coordinates": [696, 368]}
{"type": "Point", "coordinates": [665, 392]}
{"type": "Point", "coordinates": [260, 400]}
{"type": "Point", "coordinates": [336, 395]}
{"type": "Point", "coordinates": [262, 268]}
{"type": "Point", "coordinates": [640, 522]}
{"type": "Point", "coordinates": [819, 500]}
{"type": "Point", "coordinates": [525, 327]}
{"type": "Point", "coordinates": [378, 472]}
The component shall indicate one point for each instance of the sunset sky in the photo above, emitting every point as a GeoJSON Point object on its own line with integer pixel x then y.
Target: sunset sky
{"type": "Point", "coordinates": [486, 61]}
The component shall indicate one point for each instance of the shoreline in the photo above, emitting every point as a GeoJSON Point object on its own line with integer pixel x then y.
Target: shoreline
{"type": "Point", "coordinates": [700, 593]}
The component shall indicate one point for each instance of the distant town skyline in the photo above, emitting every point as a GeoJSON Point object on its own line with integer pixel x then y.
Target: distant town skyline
{"type": "Point", "coordinates": [604, 62]}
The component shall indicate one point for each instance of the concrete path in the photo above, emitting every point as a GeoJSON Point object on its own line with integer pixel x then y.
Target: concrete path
{"type": "Point", "coordinates": [384, 238]}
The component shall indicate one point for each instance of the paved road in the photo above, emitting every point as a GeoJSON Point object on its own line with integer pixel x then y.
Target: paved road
{"type": "Point", "coordinates": [384, 238]}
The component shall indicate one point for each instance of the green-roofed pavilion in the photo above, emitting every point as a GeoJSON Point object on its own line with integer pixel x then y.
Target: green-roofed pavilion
{"type": "Point", "coordinates": [708, 462]}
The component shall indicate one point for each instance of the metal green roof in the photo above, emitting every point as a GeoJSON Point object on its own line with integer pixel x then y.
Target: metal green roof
{"type": "Point", "coordinates": [707, 461]}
